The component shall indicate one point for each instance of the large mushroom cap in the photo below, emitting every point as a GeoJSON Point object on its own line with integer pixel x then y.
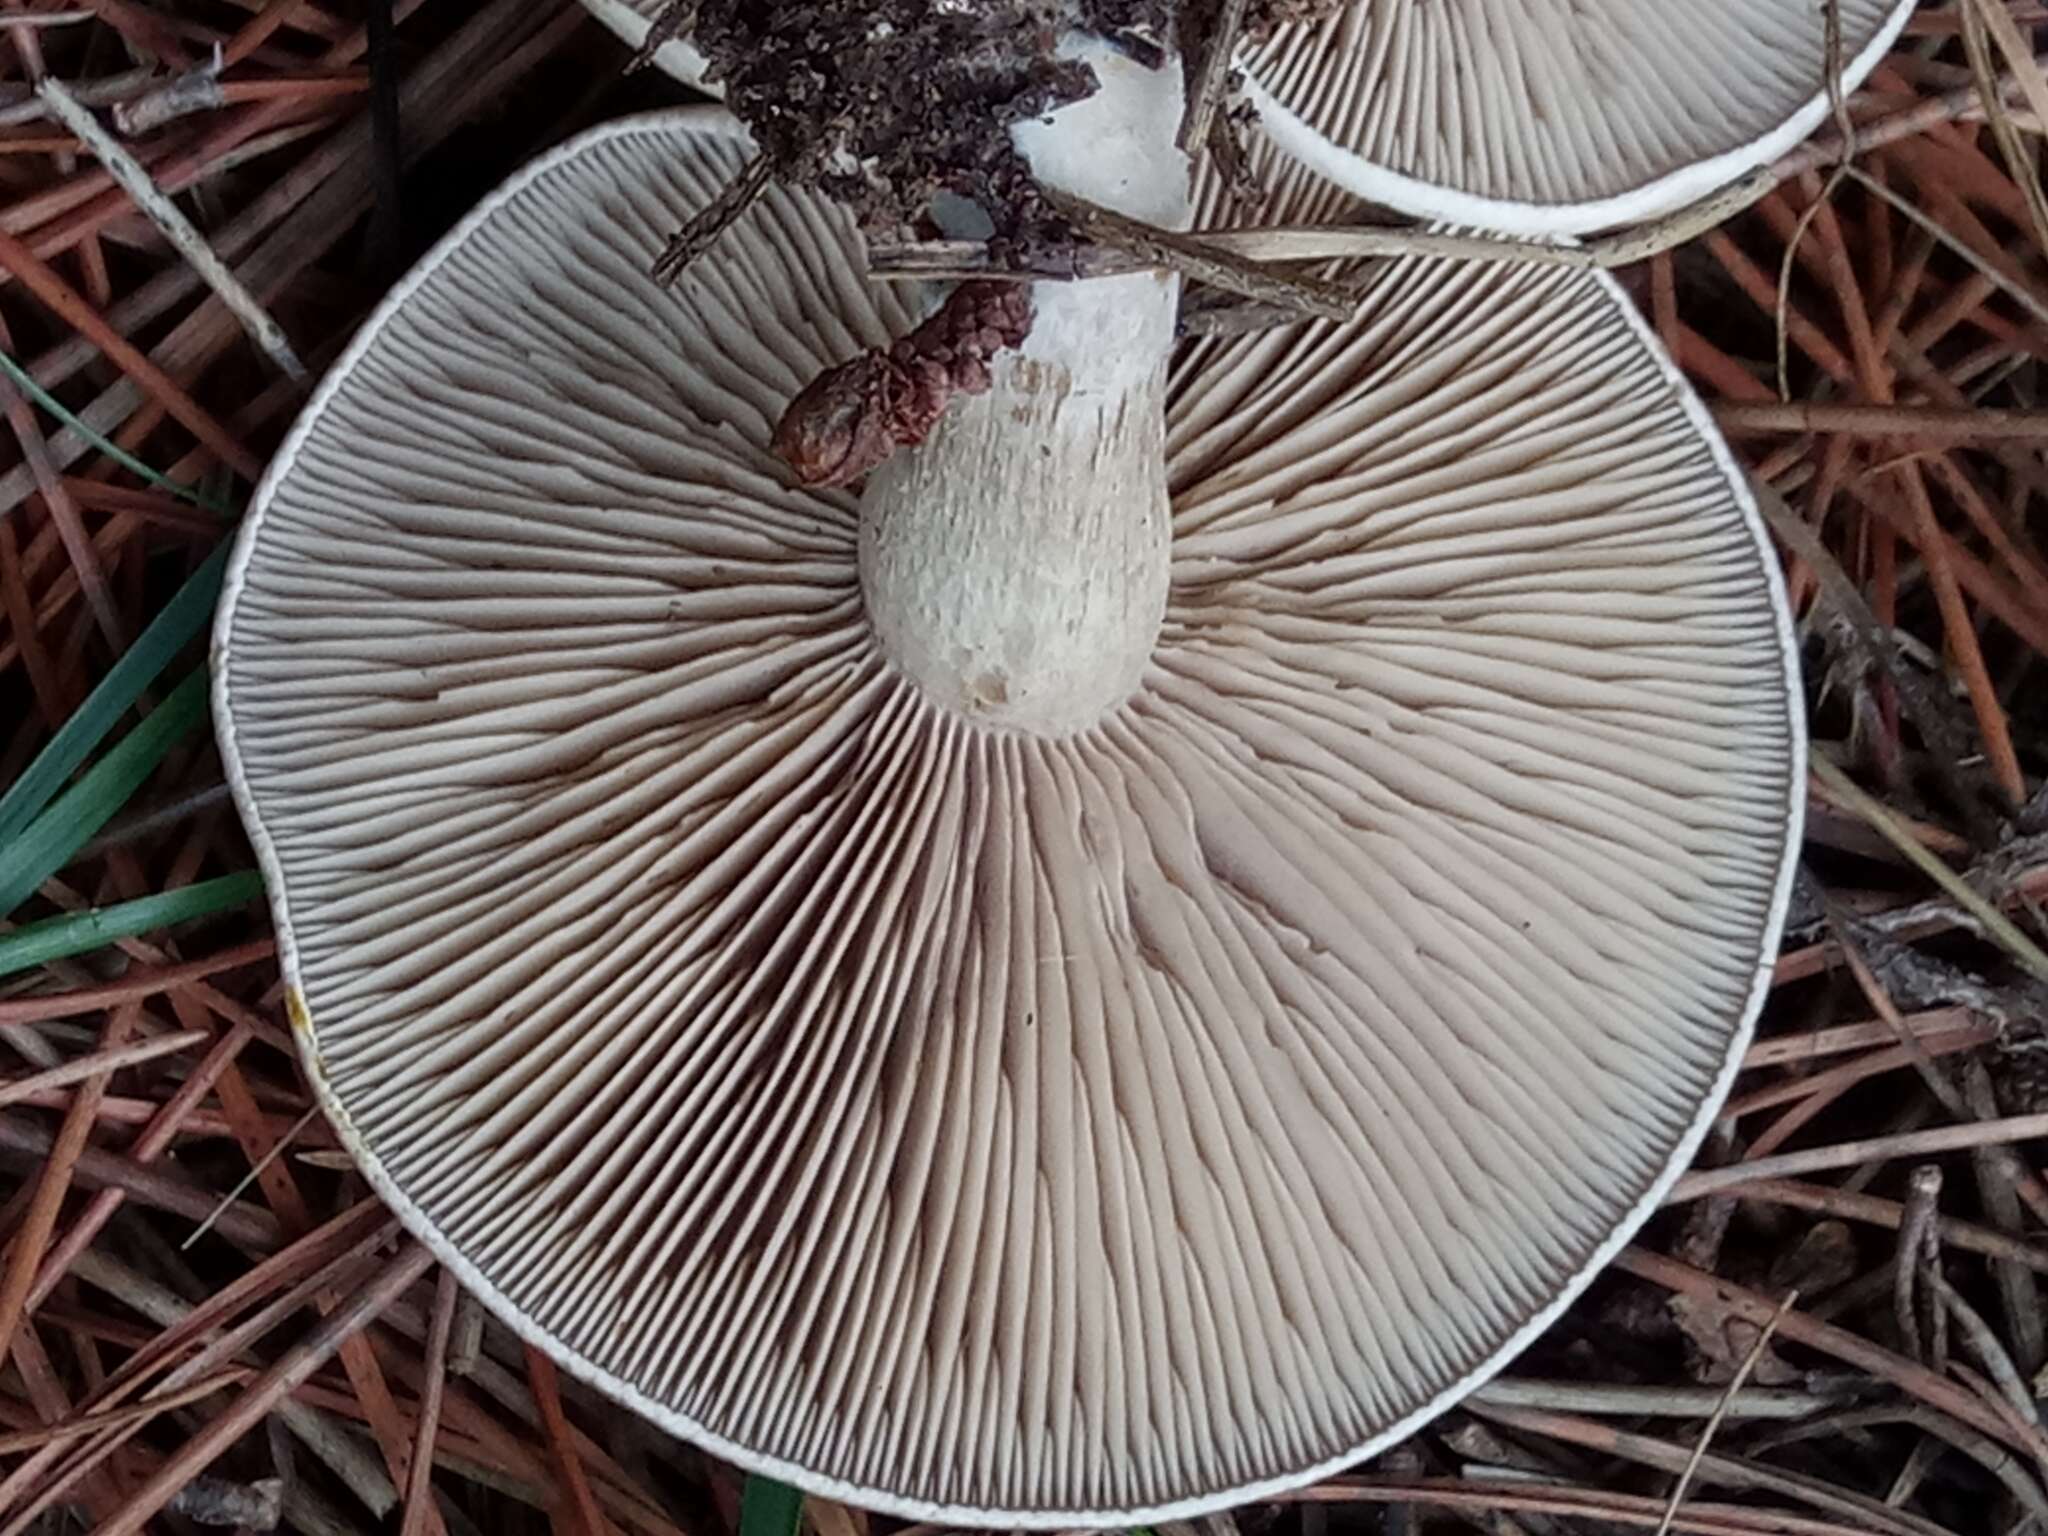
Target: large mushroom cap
{"type": "Point", "coordinates": [980, 1125]}
{"type": "Point", "coordinates": [1555, 116]}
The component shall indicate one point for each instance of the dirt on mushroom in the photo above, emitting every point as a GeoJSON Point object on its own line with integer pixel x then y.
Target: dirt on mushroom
{"type": "Point", "coordinates": [883, 104]}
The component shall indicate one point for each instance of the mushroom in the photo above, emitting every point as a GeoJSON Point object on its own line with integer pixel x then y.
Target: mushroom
{"type": "Point", "coordinates": [1543, 117]}
{"type": "Point", "coordinates": [631, 20]}
{"type": "Point", "coordinates": [1114, 970]}
{"type": "Point", "coordinates": [1555, 117]}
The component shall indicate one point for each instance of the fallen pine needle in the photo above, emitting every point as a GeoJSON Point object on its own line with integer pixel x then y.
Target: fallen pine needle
{"type": "Point", "coordinates": [1847, 1154]}
{"type": "Point", "coordinates": [184, 236]}
{"type": "Point", "coordinates": [2000, 927]}
{"type": "Point", "coordinates": [99, 1061]}
{"type": "Point", "coordinates": [1735, 1384]}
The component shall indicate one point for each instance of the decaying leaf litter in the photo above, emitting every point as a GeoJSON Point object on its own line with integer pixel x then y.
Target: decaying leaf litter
{"type": "Point", "coordinates": [1878, 1160]}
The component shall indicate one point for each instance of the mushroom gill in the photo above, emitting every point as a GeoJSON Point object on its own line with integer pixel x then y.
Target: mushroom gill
{"type": "Point", "coordinates": [1544, 117]}
{"type": "Point", "coordinates": [1006, 1123]}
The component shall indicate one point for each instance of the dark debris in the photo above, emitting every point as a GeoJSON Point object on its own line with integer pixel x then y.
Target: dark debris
{"type": "Point", "coordinates": [883, 104]}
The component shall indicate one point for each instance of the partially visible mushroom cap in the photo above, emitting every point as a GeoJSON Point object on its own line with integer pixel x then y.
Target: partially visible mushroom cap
{"type": "Point", "coordinates": [631, 20]}
{"type": "Point", "coordinates": [1555, 116]}
{"type": "Point", "coordinates": [988, 1126]}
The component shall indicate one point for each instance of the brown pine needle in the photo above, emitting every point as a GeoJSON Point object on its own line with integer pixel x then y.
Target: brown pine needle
{"type": "Point", "coordinates": [107, 1061]}
{"type": "Point", "coordinates": [1735, 1385]}
{"type": "Point", "coordinates": [419, 1481]}
{"type": "Point", "coordinates": [1848, 1154]}
{"type": "Point", "coordinates": [292, 1370]}
{"type": "Point", "coordinates": [582, 1511]}
{"type": "Point", "coordinates": [1994, 922]}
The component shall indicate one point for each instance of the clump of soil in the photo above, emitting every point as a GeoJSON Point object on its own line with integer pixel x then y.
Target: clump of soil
{"type": "Point", "coordinates": [883, 104]}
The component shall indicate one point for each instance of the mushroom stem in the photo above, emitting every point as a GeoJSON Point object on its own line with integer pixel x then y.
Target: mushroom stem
{"type": "Point", "coordinates": [1015, 564]}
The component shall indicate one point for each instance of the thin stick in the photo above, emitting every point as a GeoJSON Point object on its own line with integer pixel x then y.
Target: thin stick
{"type": "Point", "coordinates": [1928, 423]}
{"type": "Point", "coordinates": [1204, 263]}
{"type": "Point", "coordinates": [1334, 242]}
{"type": "Point", "coordinates": [1649, 1402]}
{"type": "Point", "coordinates": [1485, 1498]}
{"type": "Point", "coordinates": [184, 236]}
{"type": "Point", "coordinates": [2024, 1184]}
{"type": "Point", "coordinates": [2018, 292]}
{"type": "Point", "coordinates": [91, 1000]}
{"type": "Point", "coordinates": [259, 29]}
{"type": "Point", "coordinates": [255, 1172]}
{"type": "Point", "coordinates": [1875, 994]}
{"type": "Point", "coordinates": [1848, 1205]}
{"type": "Point", "coordinates": [2019, 1292]}
{"type": "Point", "coordinates": [419, 1491]}
{"type": "Point", "coordinates": [547, 1396]}
{"type": "Point", "coordinates": [99, 1061]}
{"type": "Point", "coordinates": [62, 507]}
{"type": "Point", "coordinates": [1735, 1384]}
{"type": "Point", "coordinates": [2011, 148]}
{"type": "Point", "coordinates": [1205, 92]}
{"type": "Point", "coordinates": [245, 1226]}
{"type": "Point", "coordinates": [1838, 1039]}
{"type": "Point", "coordinates": [357, 1266]}
{"type": "Point", "coordinates": [196, 90]}
{"type": "Point", "coordinates": [1851, 1348]}
{"type": "Point", "coordinates": [1995, 922]}
{"type": "Point", "coordinates": [712, 220]}
{"type": "Point", "coordinates": [961, 259]}
{"type": "Point", "coordinates": [324, 1251]}
{"type": "Point", "coordinates": [156, 1139]}
{"type": "Point", "coordinates": [1917, 1238]}
{"type": "Point", "coordinates": [1845, 126]}
{"type": "Point", "coordinates": [1847, 1154]}
{"type": "Point", "coordinates": [117, 1418]}
{"type": "Point", "coordinates": [1865, 1514]}
{"type": "Point", "coordinates": [1307, 242]}
{"type": "Point", "coordinates": [66, 1152]}
{"type": "Point", "coordinates": [1839, 1079]}
{"type": "Point", "coordinates": [41, 279]}
{"type": "Point", "coordinates": [1985, 1346]}
{"type": "Point", "coordinates": [293, 1370]}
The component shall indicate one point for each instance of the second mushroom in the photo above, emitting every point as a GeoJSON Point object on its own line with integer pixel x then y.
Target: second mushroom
{"type": "Point", "coordinates": [1115, 970]}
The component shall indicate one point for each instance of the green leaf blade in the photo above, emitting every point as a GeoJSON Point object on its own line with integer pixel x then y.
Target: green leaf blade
{"type": "Point", "coordinates": [769, 1508]}
{"type": "Point", "coordinates": [153, 651]}
{"type": "Point", "coordinates": [24, 381]}
{"type": "Point", "coordinates": [47, 843]}
{"type": "Point", "coordinates": [75, 933]}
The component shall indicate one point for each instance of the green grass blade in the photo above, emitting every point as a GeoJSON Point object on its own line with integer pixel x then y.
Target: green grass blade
{"type": "Point", "coordinates": [25, 382]}
{"type": "Point", "coordinates": [75, 933]}
{"type": "Point", "coordinates": [47, 843]}
{"type": "Point", "coordinates": [182, 618]}
{"type": "Point", "coordinates": [769, 1508]}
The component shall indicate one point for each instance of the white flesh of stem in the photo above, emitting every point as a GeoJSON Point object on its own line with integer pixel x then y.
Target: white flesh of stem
{"type": "Point", "coordinates": [1015, 565]}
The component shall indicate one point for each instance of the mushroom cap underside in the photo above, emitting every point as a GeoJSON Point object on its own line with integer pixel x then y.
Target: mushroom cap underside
{"type": "Point", "coordinates": [979, 1126]}
{"type": "Point", "coordinates": [1529, 117]}
{"type": "Point", "coordinates": [1546, 117]}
